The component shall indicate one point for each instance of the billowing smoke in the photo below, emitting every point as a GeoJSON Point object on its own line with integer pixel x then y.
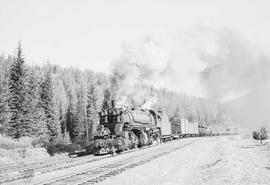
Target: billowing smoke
{"type": "Point", "coordinates": [134, 69]}
{"type": "Point", "coordinates": [154, 62]}
{"type": "Point", "coordinates": [218, 64]}
{"type": "Point", "coordinates": [238, 73]}
{"type": "Point", "coordinates": [150, 103]}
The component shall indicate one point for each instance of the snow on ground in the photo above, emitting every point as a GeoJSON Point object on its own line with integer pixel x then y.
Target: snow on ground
{"type": "Point", "coordinates": [27, 155]}
{"type": "Point", "coordinates": [210, 161]}
{"type": "Point", "coordinates": [21, 155]}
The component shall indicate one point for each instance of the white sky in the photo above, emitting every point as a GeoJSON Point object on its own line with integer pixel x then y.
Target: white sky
{"type": "Point", "coordinates": [90, 33]}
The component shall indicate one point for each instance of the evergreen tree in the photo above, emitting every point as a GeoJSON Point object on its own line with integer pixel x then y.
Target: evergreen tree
{"type": "Point", "coordinates": [92, 109]}
{"type": "Point", "coordinates": [28, 108]}
{"type": "Point", "coordinates": [49, 106]}
{"type": "Point", "coordinates": [79, 126]}
{"type": "Point", "coordinates": [62, 118]}
{"type": "Point", "coordinates": [61, 102]}
{"type": "Point", "coordinates": [34, 111]}
{"type": "Point", "coordinates": [4, 94]}
{"type": "Point", "coordinates": [70, 119]}
{"type": "Point", "coordinates": [60, 95]}
{"type": "Point", "coordinates": [17, 94]}
{"type": "Point", "coordinates": [71, 111]}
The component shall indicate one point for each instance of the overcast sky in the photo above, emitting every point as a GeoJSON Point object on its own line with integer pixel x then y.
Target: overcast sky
{"type": "Point", "coordinates": [91, 33]}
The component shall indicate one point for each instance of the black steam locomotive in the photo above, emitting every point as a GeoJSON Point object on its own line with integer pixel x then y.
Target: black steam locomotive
{"type": "Point", "coordinates": [121, 129]}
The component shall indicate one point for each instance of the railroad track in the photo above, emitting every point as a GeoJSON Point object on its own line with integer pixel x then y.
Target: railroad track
{"type": "Point", "coordinates": [19, 165]}
{"type": "Point", "coordinates": [89, 175]}
{"type": "Point", "coordinates": [29, 171]}
{"type": "Point", "coordinates": [100, 172]}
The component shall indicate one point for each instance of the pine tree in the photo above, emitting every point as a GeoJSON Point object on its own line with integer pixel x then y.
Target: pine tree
{"type": "Point", "coordinates": [71, 112]}
{"type": "Point", "coordinates": [33, 103]}
{"type": "Point", "coordinates": [79, 126]}
{"type": "Point", "coordinates": [61, 102]}
{"type": "Point", "coordinates": [49, 106]}
{"type": "Point", "coordinates": [17, 90]}
{"type": "Point", "coordinates": [4, 94]}
{"type": "Point", "coordinates": [28, 108]}
{"type": "Point", "coordinates": [92, 109]}
{"type": "Point", "coordinates": [70, 119]}
{"type": "Point", "coordinates": [62, 118]}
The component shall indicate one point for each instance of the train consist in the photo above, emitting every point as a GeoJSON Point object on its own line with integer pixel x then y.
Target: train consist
{"type": "Point", "coordinates": [120, 129]}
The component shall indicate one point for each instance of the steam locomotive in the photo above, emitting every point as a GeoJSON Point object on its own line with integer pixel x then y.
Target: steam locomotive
{"type": "Point", "coordinates": [121, 129]}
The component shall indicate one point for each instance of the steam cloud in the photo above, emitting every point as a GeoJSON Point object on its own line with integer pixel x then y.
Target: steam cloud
{"type": "Point", "coordinates": [219, 64]}
{"type": "Point", "coordinates": [239, 73]}
{"type": "Point", "coordinates": [149, 62]}
{"type": "Point", "coordinates": [132, 70]}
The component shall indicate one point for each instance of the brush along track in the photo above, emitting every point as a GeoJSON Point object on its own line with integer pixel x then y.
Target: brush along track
{"type": "Point", "coordinates": [99, 172]}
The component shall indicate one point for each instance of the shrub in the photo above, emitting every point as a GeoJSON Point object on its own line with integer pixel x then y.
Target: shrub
{"type": "Point", "coordinates": [260, 134]}
{"type": "Point", "coordinates": [90, 147]}
{"type": "Point", "coordinates": [62, 139]}
{"type": "Point", "coordinates": [53, 148]}
{"type": "Point", "coordinates": [39, 142]}
{"type": "Point", "coordinates": [83, 142]}
{"type": "Point", "coordinates": [10, 143]}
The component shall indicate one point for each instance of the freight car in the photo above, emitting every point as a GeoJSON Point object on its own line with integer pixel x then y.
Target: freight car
{"type": "Point", "coordinates": [204, 131]}
{"type": "Point", "coordinates": [185, 128]}
{"type": "Point", "coordinates": [221, 129]}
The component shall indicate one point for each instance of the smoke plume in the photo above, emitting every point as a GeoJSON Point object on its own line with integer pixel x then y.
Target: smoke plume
{"type": "Point", "coordinates": [218, 64]}
{"type": "Point", "coordinates": [134, 69]}
{"type": "Point", "coordinates": [239, 74]}
{"type": "Point", "coordinates": [154, 62]}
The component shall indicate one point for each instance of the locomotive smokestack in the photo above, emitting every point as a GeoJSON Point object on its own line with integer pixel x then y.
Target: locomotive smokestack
{"type": "Point", "coordinates": [113, 104]}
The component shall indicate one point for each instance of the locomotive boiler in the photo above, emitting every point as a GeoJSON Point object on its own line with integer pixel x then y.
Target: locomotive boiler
{"type": "Point", "coordinates": [120, 129]}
